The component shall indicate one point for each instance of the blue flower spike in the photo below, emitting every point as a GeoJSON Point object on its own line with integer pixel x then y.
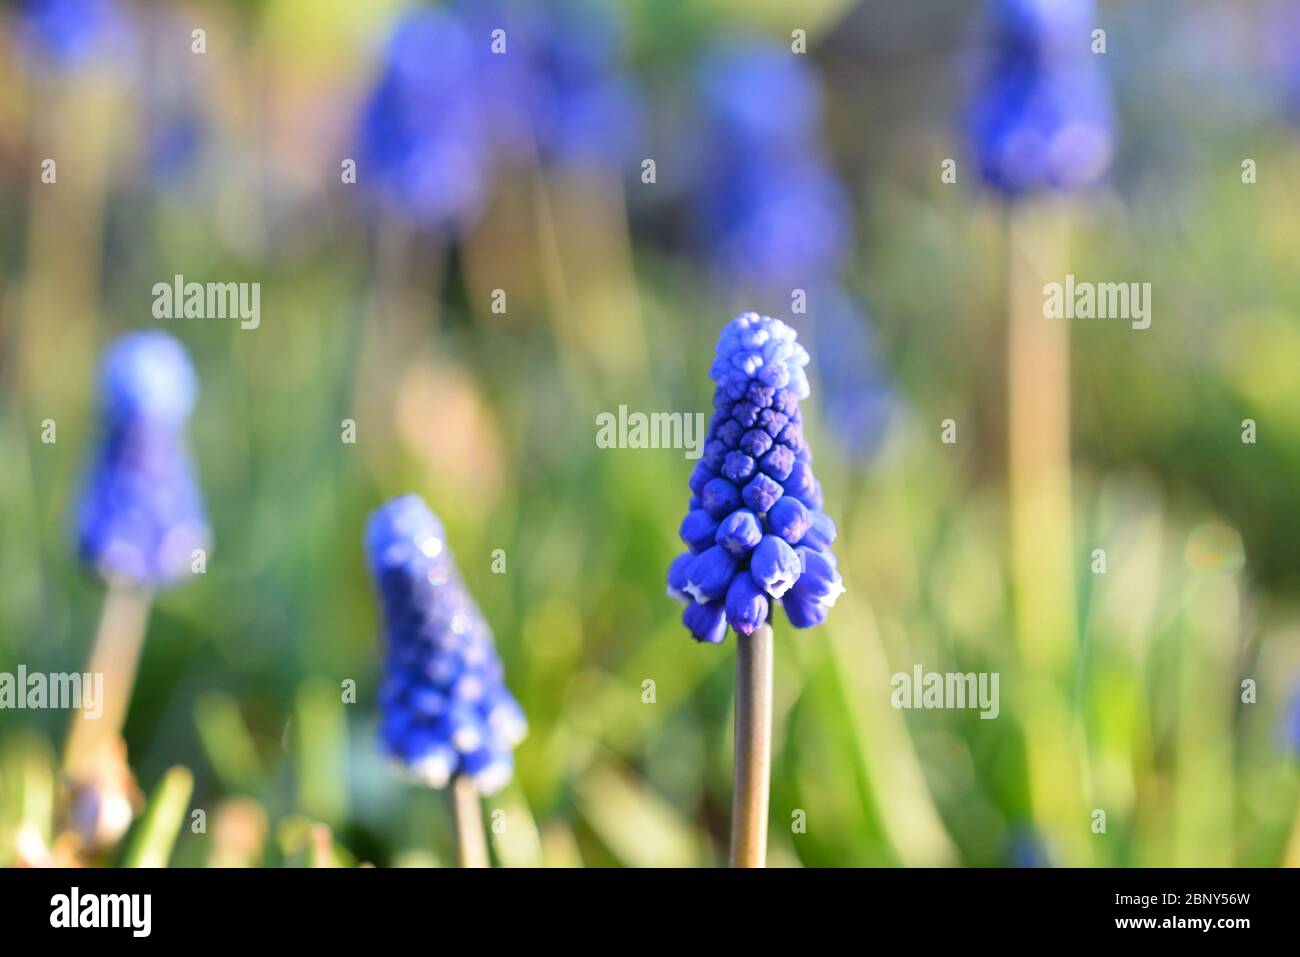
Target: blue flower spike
{"type": "Point", "coordinates": [758, 537]}
{"type": "Point", "coordinates": [423, 142]}
{"type": "Point", "coordinates": [446, 711]}
{"type": "Point", "coordinates": [1042, 116]}
{"type": "Point", "coordinates": [141, 515]}
{"type": "Point", "coordinates": [139, 523]}
{"type": "Point", "coordinates": [770, 208]}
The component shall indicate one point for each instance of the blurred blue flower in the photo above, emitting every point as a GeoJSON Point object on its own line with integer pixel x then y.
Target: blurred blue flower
{"type": "Point", "coordinates": [422, 145]}
{"type": "Point", "coordinates": [856, 396]}
{"type": "Point", "coordinates": [1041, 116]}
{"type": "Point", "coordinates": [769, 208]}
{"type": "Point", "coordinates": [173, 100]}
{"type": "Point", "coordinates": [754, 490]}
{"type": "Point", "coordinates": [141, 514]}
{"type": "Point", "coordinates": [760, 98]}
{"type": "Point", "coordinates": [71, 33]}
{"type": "Point", "coordinates": [445, 706]}
{"type": "Point", "coordinates": [556, 92]}
{"type": "Point", "coordinates": [1281, 42]}
{"type": "Point", "coordinates": [1290, 730]}
{"type": "Point", "coordinates": [1027, 849]}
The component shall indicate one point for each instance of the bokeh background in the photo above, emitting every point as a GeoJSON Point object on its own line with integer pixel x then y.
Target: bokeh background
{"type": "Point", "coordinates": [772, 170]}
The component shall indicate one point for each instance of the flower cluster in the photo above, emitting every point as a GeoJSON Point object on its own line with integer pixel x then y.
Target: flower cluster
{"type": "Point", "coordinates": [446, 709]}
{"type": "Point", "coordinates": [552, 87]}
{"type": "Point", "coordinates": [1041, 118]}
{"type": "Point", "coordinates": [755, 530]}
{"type": "Point", "coordinates": [74, 33]}
{"type": "Point", "coordinates": [462, 87]}
{"type": "Point", "coordinates": [422, 142]}
{"type": "Point", "coordinates": [141, 515]}
{"type": "Point", "coordinates": [773, 220]}
{"type": "Point", "coordinates": [772, 212]}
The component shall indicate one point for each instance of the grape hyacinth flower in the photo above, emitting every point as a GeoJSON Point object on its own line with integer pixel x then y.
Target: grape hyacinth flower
{"type": "Point", "coordinates": [422, 142]}
{"type": "Point", "coordinates": [447, 715]}
{"type": "Point", "coordinates": [1040, 126]}
{"type": "Point", "coordinates": [755, 531]}
{"type": "Point", "coordinates": [141, 526]}
{"type": "Point", "coordinates": [756, 537]}
{"type": "Point", "coordinates": [142, 513]}
{"type": "Point", "coordinates": [69, 34]}
{"type": "Point", "coordinates": [1041, 118]}
{"type": "Point", "coordinates": [554, 90]}
{"type": "Point", "coordinates": [771, 211]}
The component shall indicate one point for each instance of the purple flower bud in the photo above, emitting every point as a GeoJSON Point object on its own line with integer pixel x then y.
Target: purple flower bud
{"type": "Point", "coordinates": [745, 413]}
{"type": "Point", "coordinates": [790, 519]}
{"type": "Point", "coordinates": [778, 463]}
{"type": "Point", "coordinates": [707, 622]}
{"type": "Point", "coordinates": [747, 606]}
{"type": "Point", "coordinates": [677, 576]}
{"type": "Point", "coordinates": [715, 453]}
{"type": "Point", "coordinates": [803, 612]}
{"type": "Point", "coordinates": [698, 529]}
{"type": "Point", "coordinates": [755, 442]}
{"type": "Point", "coordinates": [818, 588]}
{"type": "Point", "coordinates": [738, 467]}
{"type": "Point", "coordinates": [730, 432]}
{"type": "Point", "coordinates": [710, 573]}
{"type": "Point", "coordinates": [720, 497]}
{"type": "Point", "coordinates": [818, 577]}
{"type": "Point", "coordinates": [800, 482]}
{"type": "Point", "coordinates": [774, 565]}
{"type": "Point", "coordinates": [821, 533]}
{"type": "Point", "coordinates": [772, 422]}
{"type": "Point", "coordinates": [761, 493]}
{"type": "Point", "coordinates": [701, 476]}
{"type": "Point", "coordinates": [739, 532]}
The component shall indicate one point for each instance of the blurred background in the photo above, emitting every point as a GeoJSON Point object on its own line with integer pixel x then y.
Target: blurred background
{"type": "Point", "coordinates": [471, 254]}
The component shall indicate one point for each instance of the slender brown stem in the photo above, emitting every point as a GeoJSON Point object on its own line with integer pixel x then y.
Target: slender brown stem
{"type": "Point", "coordinates": [753, 763]}
{"type": "Point", "coordinates": [115, 657]}
{"type": "Point", "coordinates": [471, 845]}
{"type": "Point", "coordinates": [1040, 512]}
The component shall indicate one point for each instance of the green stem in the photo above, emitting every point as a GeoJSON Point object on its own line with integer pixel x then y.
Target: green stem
{"type": "Point", "coordinates": [753, 762]}
{"type": "Point", "coordinates": [154, 839]}
{"type": "Point", "coordinates": [467, 811]}
{"type": "Point", "coordinates": [115, 657]}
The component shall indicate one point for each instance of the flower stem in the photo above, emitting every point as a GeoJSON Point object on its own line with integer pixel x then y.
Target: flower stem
{"type": "Point", "coordinates": [163, 819]}
{"type": "Point", "coordinates": [471, 845]}
{"type": "Point", "coordinates": [753, 762]}
{"type": "Point", "coordinates": [1040, 513]}
{"type": "Point", "coordinates": [115, 656]}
